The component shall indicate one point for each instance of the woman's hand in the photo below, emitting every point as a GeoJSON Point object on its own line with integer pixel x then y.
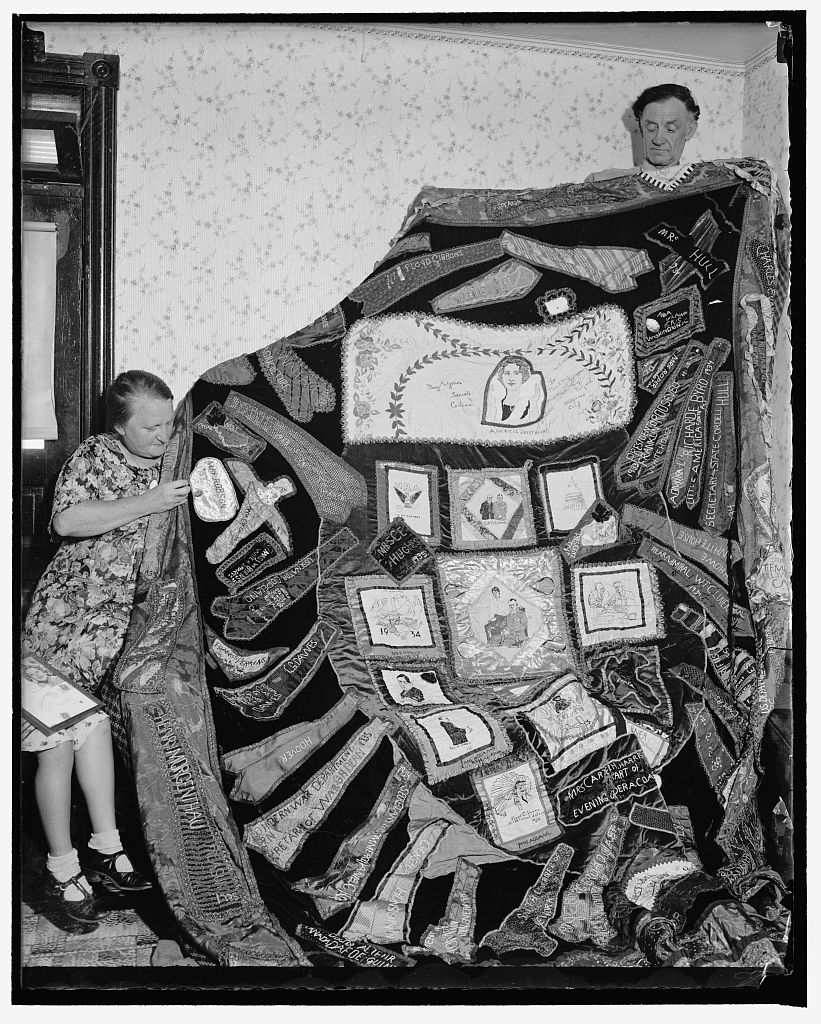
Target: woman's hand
{"type": "Point", "coordinates": [93, 518]}
{"type": "Point", "coordinates": [164, 497]}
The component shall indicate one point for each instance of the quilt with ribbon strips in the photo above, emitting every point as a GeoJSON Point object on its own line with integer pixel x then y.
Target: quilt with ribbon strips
{"type": "Point", "coordinates": [464, 646]}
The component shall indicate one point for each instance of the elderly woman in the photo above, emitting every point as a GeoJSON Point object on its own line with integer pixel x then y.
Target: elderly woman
{"type": "Point", "coordinates": [77, 623]}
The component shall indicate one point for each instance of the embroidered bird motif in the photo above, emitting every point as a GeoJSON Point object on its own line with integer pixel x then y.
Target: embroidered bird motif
{"type": "Point", "coordinates": [406, 495]}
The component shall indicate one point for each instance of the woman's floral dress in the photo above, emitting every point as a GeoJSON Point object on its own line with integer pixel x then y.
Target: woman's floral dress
{"type": "Point", "coordinates": [82, 605]}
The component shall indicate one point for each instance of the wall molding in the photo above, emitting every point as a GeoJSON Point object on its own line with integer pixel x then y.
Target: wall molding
{"type": "Point", "coordinates": [564, 47]}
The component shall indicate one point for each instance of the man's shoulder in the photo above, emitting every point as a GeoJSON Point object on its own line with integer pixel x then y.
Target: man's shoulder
{"type": "Point", "coordinates": [612, 172]}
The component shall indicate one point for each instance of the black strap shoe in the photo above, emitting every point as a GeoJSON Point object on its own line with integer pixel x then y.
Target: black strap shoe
{"type": "Point", "coordinates": [87, 910]}
{"type": "Point", "coordinates": [101, 869]}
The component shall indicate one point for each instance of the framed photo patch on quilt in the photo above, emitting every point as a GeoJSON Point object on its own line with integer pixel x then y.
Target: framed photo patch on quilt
{"type": "Point", "coordinates": [567, 490]}
{"type": "Point", "coordinates": [392, 621]}
{"type": "Point", "coordinates": [455, 740]}
{"type": "Point", "coordinates": [490, 508]}
{"type": "Point", "coordinates": [506, 614]}
{"type": "Point", "coordinates": [409, 492]}
{"type": "Point", "coordinates": [617, 601]}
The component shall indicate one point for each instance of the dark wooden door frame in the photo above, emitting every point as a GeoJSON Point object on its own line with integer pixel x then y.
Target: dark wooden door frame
{"type": "Point", "coordinates": [94, 79]}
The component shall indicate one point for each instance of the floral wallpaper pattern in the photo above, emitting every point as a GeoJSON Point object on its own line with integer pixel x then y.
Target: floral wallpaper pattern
{"type": "Point", "coordinates": [263, 168]}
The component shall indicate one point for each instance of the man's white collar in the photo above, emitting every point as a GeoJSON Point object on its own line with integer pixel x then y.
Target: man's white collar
{"type": "Point", "coordinates": [666, 178]}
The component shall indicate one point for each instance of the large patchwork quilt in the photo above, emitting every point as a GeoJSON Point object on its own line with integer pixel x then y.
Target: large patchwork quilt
{"type": "Point", "coordinates": [465, 644]}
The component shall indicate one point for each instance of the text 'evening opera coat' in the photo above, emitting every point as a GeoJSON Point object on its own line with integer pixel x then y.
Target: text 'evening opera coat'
{"type": "Point", "coordinates": [465, 647]}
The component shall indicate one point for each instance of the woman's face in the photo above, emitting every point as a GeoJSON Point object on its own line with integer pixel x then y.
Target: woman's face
{"type": "Point", "coordinates": [512, 375]}
{"type": "Point", "coordinates": [148, 429]}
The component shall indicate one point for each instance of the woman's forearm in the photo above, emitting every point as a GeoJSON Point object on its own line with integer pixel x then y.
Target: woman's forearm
{"type": "Point", "coordinates": [92, 518]}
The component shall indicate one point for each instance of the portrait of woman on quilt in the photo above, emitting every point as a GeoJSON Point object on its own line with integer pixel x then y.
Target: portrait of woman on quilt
{"type": "Point", "coordinates": [515, 394]}
{"type": "Point", "coordinates": [76, 625]}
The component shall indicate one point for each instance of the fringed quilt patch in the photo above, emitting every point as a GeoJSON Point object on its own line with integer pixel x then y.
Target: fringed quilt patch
{"type": "Point", "coordinates": [617, 602]}
{"type": "Point", "coordinates": [490, 508]}
{"type": "Point", "coordinates": [456, 739]}
{"type": "Point", "coordinates": [506, 614]}
{"type": "Point", "coordinates": [393, 622]}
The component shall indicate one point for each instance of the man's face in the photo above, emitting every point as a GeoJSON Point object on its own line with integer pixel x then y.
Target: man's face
{"type": "Point", "coordinates": [666, 126]}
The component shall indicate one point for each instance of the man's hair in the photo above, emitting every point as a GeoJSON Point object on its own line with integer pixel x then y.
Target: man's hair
{"type": "Point", "coordinates": [665, 92]}
{"type": "Point", "coordinates": [129, 387]}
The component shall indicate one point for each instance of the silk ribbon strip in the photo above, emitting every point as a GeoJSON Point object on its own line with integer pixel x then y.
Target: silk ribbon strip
{"type": "Point", "coordinates": [702, 589]}
{"type": "Point", "coordinates": [335, 488]}
{"type": "Point", "coordinates": [267, 697]}
{"type": "Point", "coordinates": [583, 916]}
{"type": "Point", "coordinates": [652, 372]}
{"type": "Point", "coordinates": [224, 432]}
{"type": "Point", "coordinates": [506, 282]}
{"type": "Point", "coordinates": [732, 715]}
{"type": "Point", "coordinates": [696, 545]}
{"type": "Point", "coordinates": [718, 762]}
{"type": "Point", "coordinates": [363, 954]}
{"type": "Point", "coordinates": [261, 767]}
{"type": "Point", "coordinates": [281, 833]}
{"type": "Point", "coordinates": [389, 286]}
{"type": "Point", "coordinates": [525, 927]}
{"type": "Point", "coordinates": [253, 558]}
{"type": "Point", "coordinates": [410, 243]}
{"type": "Point", "coordinates": [236, 664]}
{"type": "Point", "coordinates": [356, 857]}
{"type": "Point", "coordinates": [302, 391]}
{"type": "Point", "coordinates": [718, 506]}
{"type": "Point", "coordinates": [250, 611]}
{"type": "Point", "coordinates": [609, 267]}
{"type": "Point", "coordinates": [686, 473]}
{"type": "Point", "coordinates": [452, 938]}
{"type": "Point", "coordinates": [386, 917]}
{"type": "Point", "coordinates": [645, 457]}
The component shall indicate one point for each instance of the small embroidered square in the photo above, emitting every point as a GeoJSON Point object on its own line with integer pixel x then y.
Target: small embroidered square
{"type": "Point", "coordinates": [568, 722]}
{"type": "Point", "coordinates": [410, 687]}
{"type": "Point", "coordinates": [555, 304]}
{"type": "Point", "coordinates": [395, 622]}
{"type": "Point", "coordinates": [405, 491]}
{"type": "Point", "coordinates": [666, 321]}
{"type": "Point", "coordinates": [457, 739]}
{"type": "Point", "coordinates": [490, 508]}
{"type": "Point", "coordinates": [617, 601]}
{"type": "Point", "coordinates": [399, 550]}
{"type": "Point", "coordinates": [517, 807]}
{"type": "Point", "coordinates": [598, 529]}
{"type": "Point", "coordinates": [506, 615]}
{"type": "Point", "coordinates": [567, 491]}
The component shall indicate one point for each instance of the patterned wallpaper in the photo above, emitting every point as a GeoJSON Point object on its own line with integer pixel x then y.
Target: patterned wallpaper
{"type": "Point", "coordinates": [263, 169]}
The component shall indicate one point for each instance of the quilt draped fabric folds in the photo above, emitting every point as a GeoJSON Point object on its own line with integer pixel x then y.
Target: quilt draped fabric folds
{"type": "Point", "coordinates": [465, 645]}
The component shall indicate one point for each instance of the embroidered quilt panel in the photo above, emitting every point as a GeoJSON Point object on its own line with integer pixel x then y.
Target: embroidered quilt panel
{"type": "Point", "coordinates": [524, 724]}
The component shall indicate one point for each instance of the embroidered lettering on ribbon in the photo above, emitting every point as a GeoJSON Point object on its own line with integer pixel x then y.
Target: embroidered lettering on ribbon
{"type": "Point", "coordinates": [508, 281]}
{"type": "Point", "coordinates": [707, 267]}
{"type": "Point", "coordinates": [621, 779]}
{"type": "Point", "coordinates": [267, 697]}
{"type": "Point", "coordinates": [259, 554]}
{"type": "Point", "coordinates": [687, 464]}
{"type": "Point", "coordinates": [696, 545]}
{"type": "Point", "coordinates": [385, 917]}
{"type": "Point", "coordinates": [646, 456]}
{"type": "Point", "coordinates": [654, 371]}
{"type": "Point", "coordinates": [363, 954]}
{"type": "Point", "coordinates": [236, 664]}
{"type": "Point", "coordinates": [250, 611]}
{"type": "Point", "coordinates": [525, 927]}
{"type": "Point", "coordinates": [702, 588]}
{"type": "Point", "coordinates": [399, 550]}
{"type": "Point", "coordinates": [353, 862]}
{"type": "Point", "coordinates": [452, 938]}
{"type": "Point", "coordinates": [261, 767]}
{"type": "Point", "coordinates": [208, 872]}
{"type": "Point", "coordinates": [611, 268]}
{"type": "Point", "coordinates": [389, 286]}
{"type": "Point", "coordinates": [718, 506]}
{"type": "Point", "coordinates": [280, 834]}
{"type": "Point", "coordinates": [666, 321]}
